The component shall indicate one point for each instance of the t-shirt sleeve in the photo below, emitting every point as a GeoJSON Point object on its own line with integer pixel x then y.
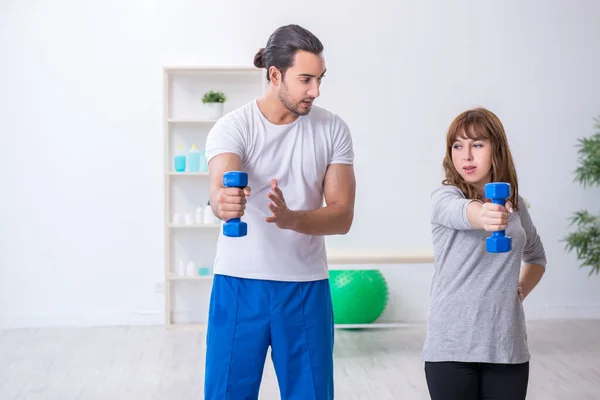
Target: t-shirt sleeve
{"type": "Point", "coordinates": [449, 208]}
{"type": "Point", "coordinates": [225, 137]}
{"type": "Point", "coordinates": [534, 252]}
{"type": "Point", "coordinates": [343, 150]}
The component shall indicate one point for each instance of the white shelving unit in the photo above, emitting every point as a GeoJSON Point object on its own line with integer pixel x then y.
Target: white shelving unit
{"type": "Point", "coordinates": [187, 297]}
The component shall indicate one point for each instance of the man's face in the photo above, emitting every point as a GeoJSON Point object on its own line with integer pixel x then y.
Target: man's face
{"type": "Point", "coordinates": [301, 83]}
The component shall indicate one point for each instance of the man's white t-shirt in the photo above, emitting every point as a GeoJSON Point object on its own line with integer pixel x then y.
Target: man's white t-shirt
{"type": "Point", "coordinates": [297, 155]}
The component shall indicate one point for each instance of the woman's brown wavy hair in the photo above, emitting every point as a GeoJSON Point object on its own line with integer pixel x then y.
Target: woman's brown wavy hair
{"type": "Point", "coordinates": [481, 124]}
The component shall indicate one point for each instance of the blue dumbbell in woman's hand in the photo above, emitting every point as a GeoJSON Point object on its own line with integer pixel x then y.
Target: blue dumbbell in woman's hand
{"type": "Point", "coordinates": [498, 192]}
{"type": "Point", "coordinates": [235, 227]}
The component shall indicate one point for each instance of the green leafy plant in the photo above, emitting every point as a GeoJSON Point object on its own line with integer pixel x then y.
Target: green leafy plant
{"type": "Point", "coordinates": [214, 97]}
{"type": "Point", "coordinates": [585, 240]}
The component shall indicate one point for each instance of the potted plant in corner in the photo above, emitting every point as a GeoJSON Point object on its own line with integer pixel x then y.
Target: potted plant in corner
{"type": "Point", "coordinates": [213, 104]}
{"type": "Point", "coordinates": [585, 240]}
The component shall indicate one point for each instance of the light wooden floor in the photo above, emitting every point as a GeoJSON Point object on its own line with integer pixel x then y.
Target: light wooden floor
{"type": "Point", "coordinates": [153, 363]}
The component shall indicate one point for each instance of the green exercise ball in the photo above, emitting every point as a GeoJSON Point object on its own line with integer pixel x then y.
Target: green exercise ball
{"type": "Point", "coordinates": [358, 296]}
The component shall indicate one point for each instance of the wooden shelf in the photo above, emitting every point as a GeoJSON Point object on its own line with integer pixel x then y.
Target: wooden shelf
{"type": "Point", "coordinates": [379, 256]}
{"type": "Point", "coordinates": [190, 278]}
{"type": "Point", "coordinates": [175, 173]}
{"type": "Point", "coordinates": [192, 121]}
{"type": "Point", "coordinates": [187, 326]}
{"type": "Point", "coordinates": [216, 69]}
{"type": "Point", "coordinates": [195, 226]}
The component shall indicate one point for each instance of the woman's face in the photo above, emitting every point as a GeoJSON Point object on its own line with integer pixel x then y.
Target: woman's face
{"type": "Point", "coordinates": [472, 158]}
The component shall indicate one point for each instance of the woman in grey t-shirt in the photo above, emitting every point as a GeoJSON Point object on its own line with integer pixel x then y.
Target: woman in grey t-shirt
{"type": "Point", "coordinates": [476, 343]}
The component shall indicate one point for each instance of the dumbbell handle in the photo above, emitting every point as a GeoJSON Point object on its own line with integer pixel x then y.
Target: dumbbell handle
{"type": "Point", "coordinates": [501, 233]}
{"type": "Point", "coordinates": [228, 184]}
{"type": "Point", "coordinates": [235, 227]}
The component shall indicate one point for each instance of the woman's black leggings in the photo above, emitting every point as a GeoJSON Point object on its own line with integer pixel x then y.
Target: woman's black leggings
{"type": "Point", "coordinates": [476, 381]}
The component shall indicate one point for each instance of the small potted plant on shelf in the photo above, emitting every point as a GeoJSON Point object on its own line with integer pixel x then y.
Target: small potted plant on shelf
{"type": "Point", "coordinates": [213, 103]}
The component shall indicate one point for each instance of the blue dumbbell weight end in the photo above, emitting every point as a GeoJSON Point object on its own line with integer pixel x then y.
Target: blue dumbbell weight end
{"type": "Point", "coordinates": [498, 192]}
{"type": "Point", "coordinates": [235, 227]}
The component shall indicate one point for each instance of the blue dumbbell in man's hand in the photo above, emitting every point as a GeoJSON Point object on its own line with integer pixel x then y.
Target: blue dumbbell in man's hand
{"type": "Point", "coordinates": [235, 227]}
{"type": "Point", "coordinates": [498, 192]}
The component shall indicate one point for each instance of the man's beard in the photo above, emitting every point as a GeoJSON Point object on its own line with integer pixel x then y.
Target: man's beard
{"type": "Point", "coordinates": [284, 98]}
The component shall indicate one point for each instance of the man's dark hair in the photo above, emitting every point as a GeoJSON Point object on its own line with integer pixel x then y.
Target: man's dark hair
{"type": "Point", "coordinates": [283, 45]}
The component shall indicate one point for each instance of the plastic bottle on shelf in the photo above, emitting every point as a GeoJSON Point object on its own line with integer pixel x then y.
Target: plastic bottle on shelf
{"type": "Point", "coordinates": [199, 215]}
{"type": "Point", "coordinates": [194, 159]}
{"type": "Point", "coordinates": [204, 271]}
{"type": "Point", "coordinates": [209, 217]}
{"type": "Point", "coordinates": [180, 159]}
{"type": "Point", "coordinates": [191, 269]}
{"type": "Point", "coordinates": [203, 162]}
{"type": "Point", "coordinates": [177, 219]}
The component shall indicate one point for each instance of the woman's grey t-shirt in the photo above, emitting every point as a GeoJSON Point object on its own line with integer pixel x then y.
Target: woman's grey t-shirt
{"type": "Point", "coordinates": [475, 314]}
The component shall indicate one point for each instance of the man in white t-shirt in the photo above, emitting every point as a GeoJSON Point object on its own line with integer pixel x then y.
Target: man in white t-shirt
{"type": "Point", "coordinates": [271, 286]}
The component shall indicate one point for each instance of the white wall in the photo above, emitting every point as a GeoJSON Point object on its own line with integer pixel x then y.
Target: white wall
{"type": "Point", "coordinates": [81, 140]}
